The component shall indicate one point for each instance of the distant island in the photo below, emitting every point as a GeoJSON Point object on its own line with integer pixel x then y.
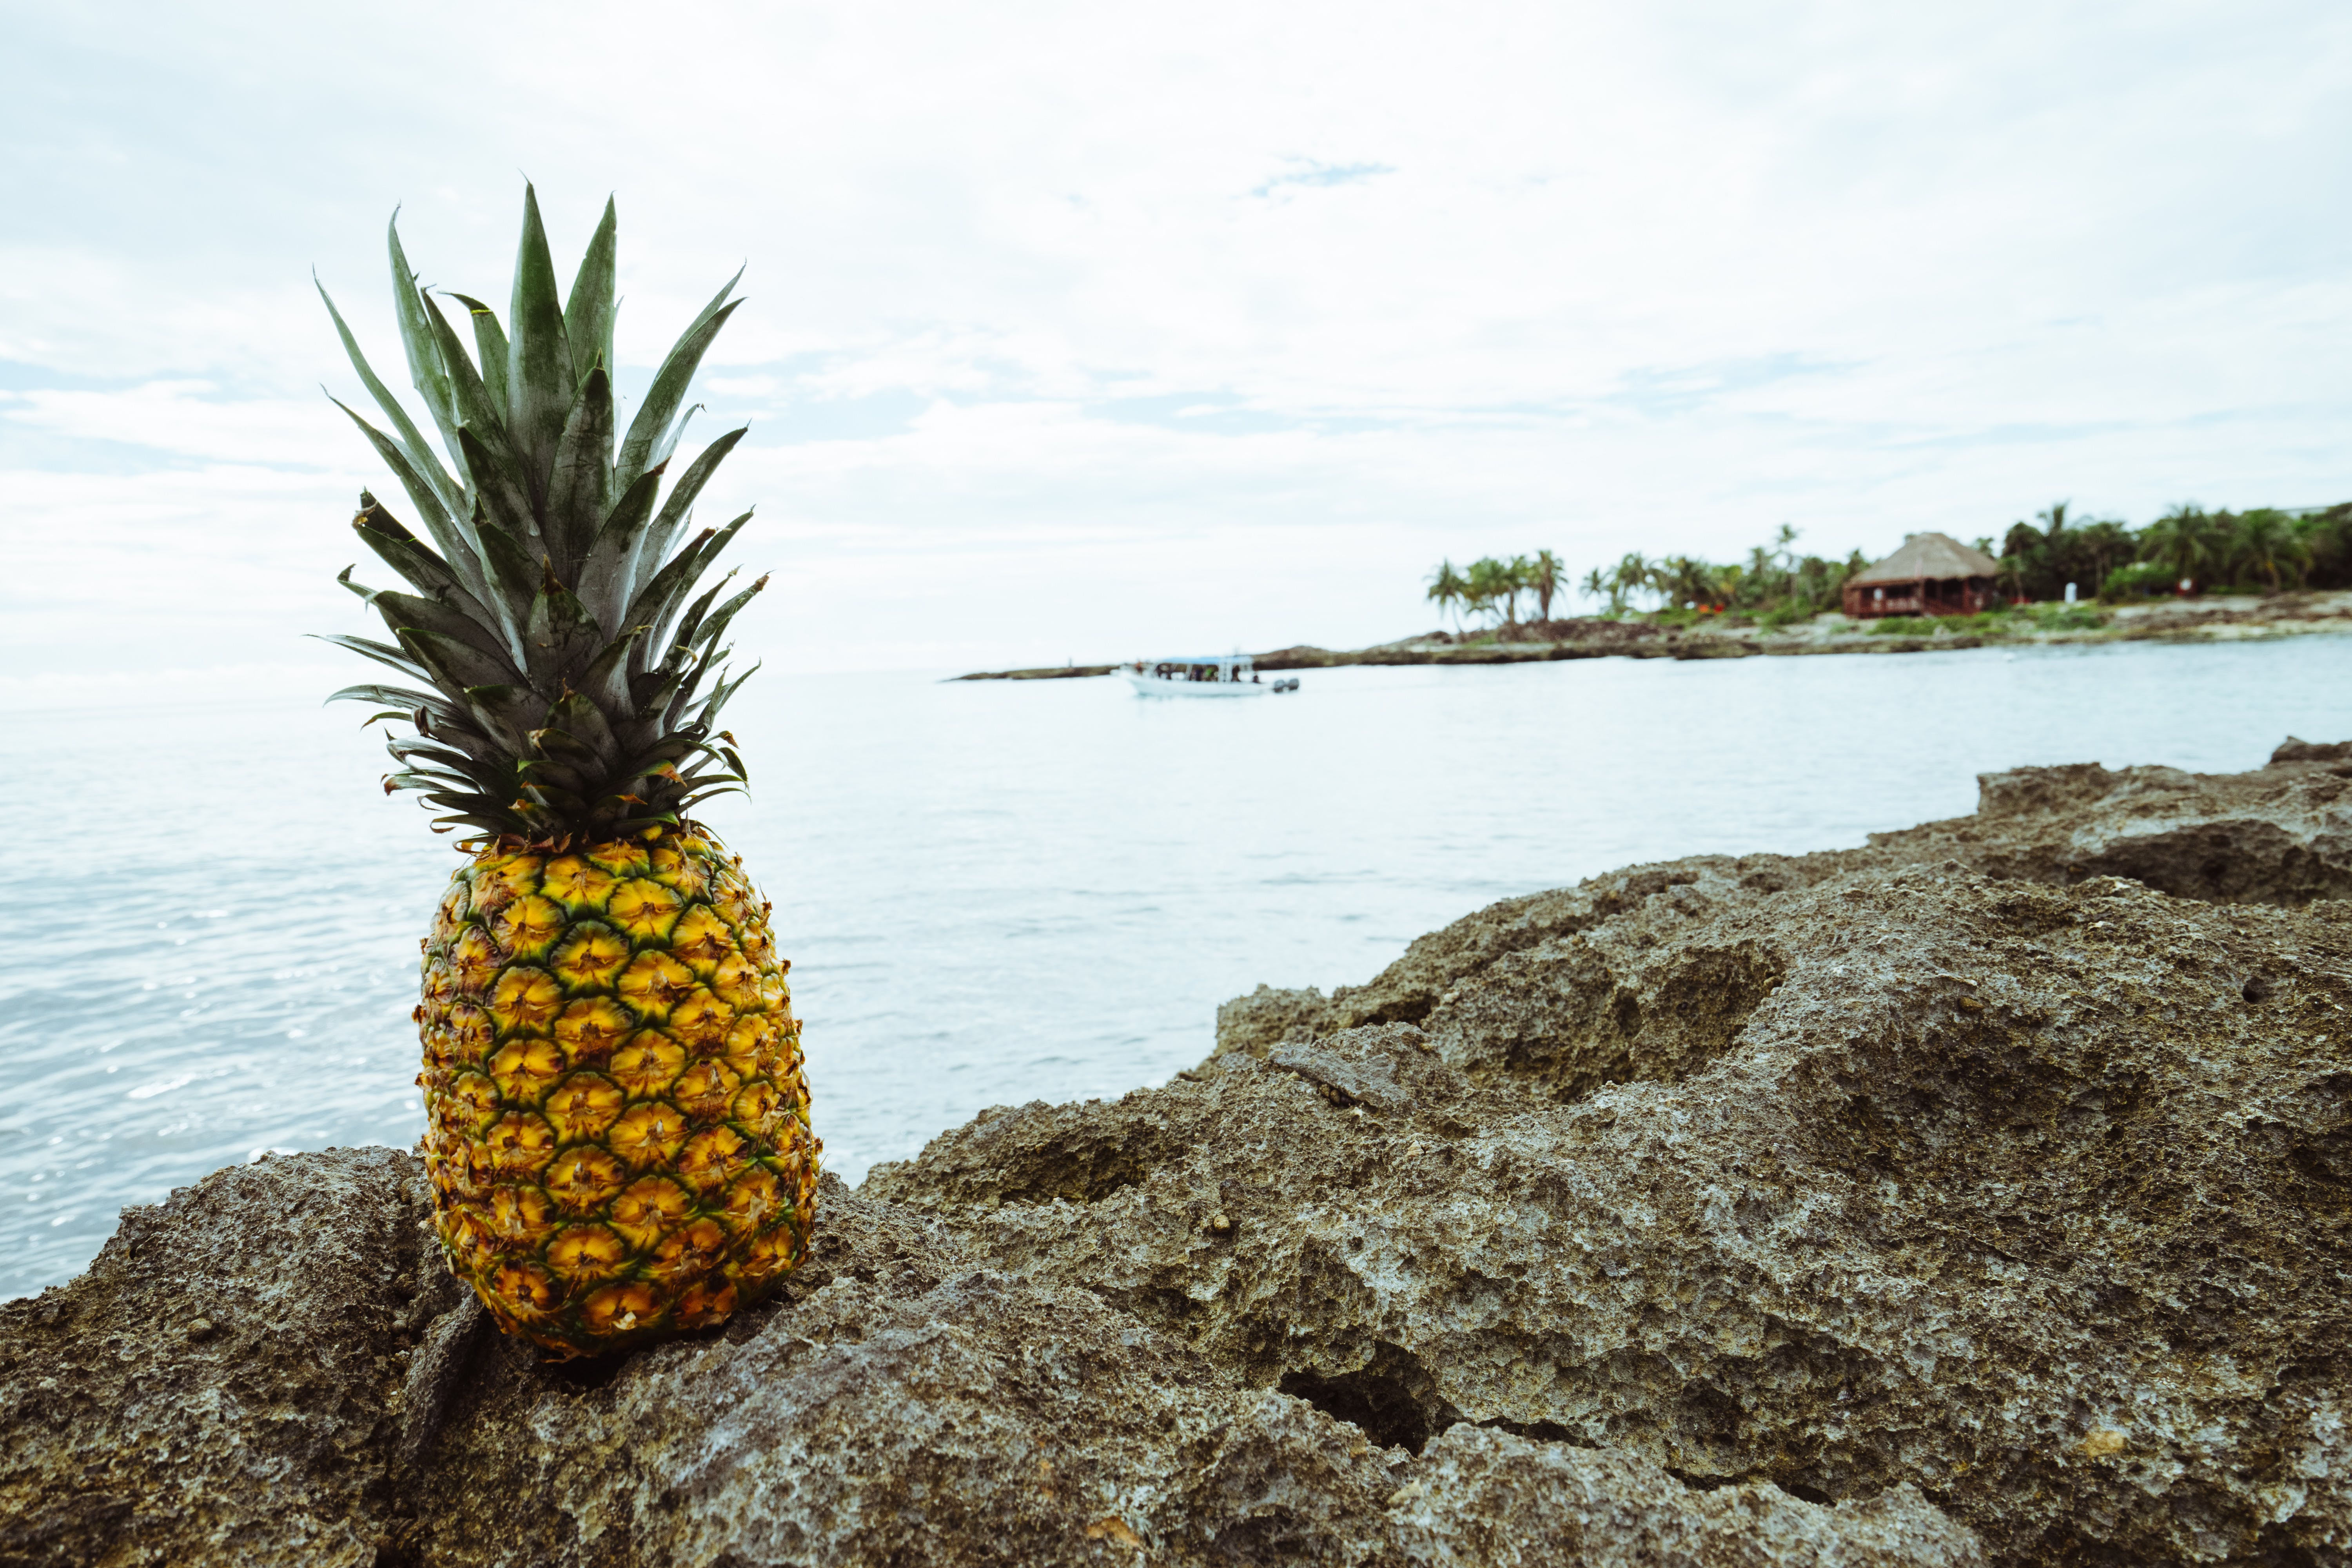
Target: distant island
{"type": "Point", "coordinates": [2190, 575]}
{"type": "Point", "coordinates": [2210, 618]}
{"type": "Point", "coordinates": [2187, 553]}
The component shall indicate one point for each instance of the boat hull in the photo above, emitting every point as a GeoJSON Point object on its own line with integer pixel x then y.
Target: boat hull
{"type": "Point", "coordinates": [1153, 686]}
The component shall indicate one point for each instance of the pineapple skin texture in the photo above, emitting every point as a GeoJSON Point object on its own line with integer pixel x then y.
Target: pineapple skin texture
{"type": "Point", "coordinates": [617, 1121]}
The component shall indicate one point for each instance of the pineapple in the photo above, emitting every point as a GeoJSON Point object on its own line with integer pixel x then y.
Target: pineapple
{"type": "Point", "coordinates": [617, 1123]}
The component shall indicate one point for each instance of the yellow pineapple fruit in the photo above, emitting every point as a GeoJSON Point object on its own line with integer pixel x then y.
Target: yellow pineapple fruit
{"type": "Point", "coordinates": [618, 1134]}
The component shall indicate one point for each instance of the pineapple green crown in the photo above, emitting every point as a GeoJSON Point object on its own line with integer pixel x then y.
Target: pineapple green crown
{"type": "Point", "coordinates": [564, 668]}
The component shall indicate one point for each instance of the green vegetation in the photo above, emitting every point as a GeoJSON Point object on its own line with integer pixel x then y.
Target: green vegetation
{"type": "Point", "coordinates": [2005, 621]}
{"type": "Point", "coordinates": [1929, 625]}
{"type": "Point", "coordinates": [2065, 617]}
{"type": "Point", "coordinates": [1494, 588]}
{"type": "Point", "coordinates": [2265, 551]}
{"type": "Point", "coordinates": [2136, 581]}
{"type": "Point", "coordinates": [1774, 587]}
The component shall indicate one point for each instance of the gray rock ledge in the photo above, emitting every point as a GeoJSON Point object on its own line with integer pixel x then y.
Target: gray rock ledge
{"type": "Point", "coordinates": [1983, 1194]}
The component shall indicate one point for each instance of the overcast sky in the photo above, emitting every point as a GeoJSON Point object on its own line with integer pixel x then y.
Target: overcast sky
{"type": "Point", "coordinates": [1094, 331]}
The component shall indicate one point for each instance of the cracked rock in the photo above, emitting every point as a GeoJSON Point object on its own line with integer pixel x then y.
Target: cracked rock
{"type": "Point", "coordinates": [1983, 1194]}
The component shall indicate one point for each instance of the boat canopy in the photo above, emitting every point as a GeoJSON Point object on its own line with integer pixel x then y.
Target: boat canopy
{"type": "Point", "coordinates": [1215, 668]}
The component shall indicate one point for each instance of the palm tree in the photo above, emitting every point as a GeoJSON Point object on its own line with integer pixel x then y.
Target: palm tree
{"type": "Point", "coordinates": [2184, 540]}
{"type": "Point", "coordinates": [1494, 585]}
{"type": "Point", "coordinates": [1631, 576]}
{"type": "Point", "coordinates": [2327, 539]}
{"type": "Point", "coordinates": [1687, 582]}
{"type": "Point", "coordinates": [1543, 581]}
{"type": "Point", "coordinates": [2013, 569]}
{"type": "Point", "coordinates": [2104, 545]}
{"type": "Point", "coordinates": [2267, 541]}
{"type": "Point", "coordinates": [1447, 589]}
{"type": "Point", "coordinates": [1596, 586]}
{"type": "Point", "coordinates": [2022, 538]}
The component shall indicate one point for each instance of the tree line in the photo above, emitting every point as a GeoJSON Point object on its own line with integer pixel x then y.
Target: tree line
{"type": "Point", "coordinates": [1774, 581]}
{"type": "Point", "coordinates": [1492, 586]}
{"type": "Point", "coordinates": [2263, 550]}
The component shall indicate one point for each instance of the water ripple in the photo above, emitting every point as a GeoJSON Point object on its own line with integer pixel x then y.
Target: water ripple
{"type": "Point", "coordinates": [992, 893]}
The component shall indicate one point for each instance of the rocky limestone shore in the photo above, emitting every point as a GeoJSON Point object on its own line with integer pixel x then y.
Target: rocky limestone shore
{"type": "Point", "coordinates": [1982, 1195]}
{"type": "Point", "coordinates": [2220, 618]}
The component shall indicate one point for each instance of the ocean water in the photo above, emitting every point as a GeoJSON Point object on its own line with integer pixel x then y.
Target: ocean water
{"type": "Point", "coordinates": [992, 892]}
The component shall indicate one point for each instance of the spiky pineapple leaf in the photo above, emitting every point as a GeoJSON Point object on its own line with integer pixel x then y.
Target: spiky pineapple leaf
{"type": "Point", "coordinates": [490, 346]}
{"type": "Point", "coordinates": [540, 382]}
{"type": "Point", "coordinates": [708, 713]}
{"type": "Point", "coordinates": [482, 436]}
{"type": "Point", "coordinates": [667, 445]}
{"type": "Point", "coordinates": [578, 495]}
{"type": "Point", "coordinates": [702, 317]}
{"type": "Point", "coordinates": [654, 695]}
{"type": "Point", "coordinates": [710, 630]}
{"type": "Point", "coordinates": [564, 638]}
{"type": "Point", "coordinates": [382, 653]}
{"type": "Point", "coordinates": [606, 577]}
{"type": "Point", "coordinates": [446, 756]}
{"type": "Point", "coordinates": [658, 601]}
{"type": "Point", "coordinates": [578, 719]}
{"type": "Point", "coordinates": [400, 697]}
{"type": "Point", "coordinates": [425, 371]}
{"type": "Point", "coordinates": [403, 554]}
{"type": "Point", "coordinates": [490, 826]}
{"type": "Point", "coordinates": [606, 678]}
{"type": "Point", "coordinates": [559, 635]}
{"type": "Point", "coordinates": [589, 314]}
{"type": "Point", "coordinates": [569, 760]}
{"type": "Point", "coordinates": [400, 611]}
{"type": "Point", "coordinates": [673, 713]}
{"type": "Point", "coordinates": [465, 749]}
{"type": "Point", "coordinates": [518, 577]}
{"type": "Point", "coordinates": [691, 621]}
{"type": "Point", "coordinates": [507, 714]}
{"type": "Point", "coordinates": [451, 490]}
{"type": "Point", "coordinates": [466, 777]}
{"type": "Point", "coordinates": [455, 666]}
{"type": "Point", "coordinates": [663, 398]}
{"type": "Point", "coordinates": [499, 502]}
{"type": "Point", "coordinates": [654, 544]}
{"type": "Point", "coordinates": [438, 523]}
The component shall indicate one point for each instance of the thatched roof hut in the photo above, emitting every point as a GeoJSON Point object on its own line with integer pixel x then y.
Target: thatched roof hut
{"type": "Point", "coordinates": [1932, 575]}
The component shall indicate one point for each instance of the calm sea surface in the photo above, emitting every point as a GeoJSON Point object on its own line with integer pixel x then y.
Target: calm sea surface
{"type": "Point", "coordinates": [991, 892]}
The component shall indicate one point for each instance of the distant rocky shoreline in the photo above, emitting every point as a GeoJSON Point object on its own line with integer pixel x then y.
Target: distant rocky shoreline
{"type": "Point", "coordinates": [1982, 1195]}
{"type": "Point", "coordinates": [2214, 619]}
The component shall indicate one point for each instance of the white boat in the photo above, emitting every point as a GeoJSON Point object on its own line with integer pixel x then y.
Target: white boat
{"type": "Point", "coordinates": [1217, 675]}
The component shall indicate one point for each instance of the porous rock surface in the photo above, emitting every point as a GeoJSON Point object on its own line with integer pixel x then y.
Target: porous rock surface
{"type": "Point", "coordinates": [2278, 835]}
{"type": "Point", "coordinates": [1960, 1198]}
{"type": "Point", "coordinates": [213, 1389]}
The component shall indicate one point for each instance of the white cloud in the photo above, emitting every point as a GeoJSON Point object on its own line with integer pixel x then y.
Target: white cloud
{"type": "Point", "coordinates": [1233, 317]}
{"type": "Point", "coordinates": [190, 418]}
